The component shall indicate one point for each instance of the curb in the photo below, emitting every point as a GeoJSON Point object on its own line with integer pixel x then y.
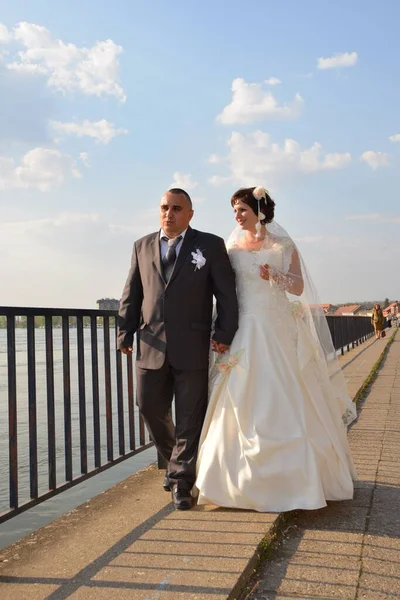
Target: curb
{"type": "Point", "coordinates": [271, 540]}
{"type": "Point", "coordinates": [263, 552]}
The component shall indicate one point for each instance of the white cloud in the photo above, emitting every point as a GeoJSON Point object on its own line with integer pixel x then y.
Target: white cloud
{"type": "Point", "coordinates": [395, 138]}
{"type": "Point", "coordinates": [183, 181]}
{"type": "Point", "coordinates": [84, 157]}
{"type": "Point", "coordinates": [256, 160]}
{"type": "Point", "coordinates": [219, 180]}
{"type": "Point", "coordinates": [55, 259]}
{"type": "Point", "coordinates": [375, 159]}
{"type": "Point", "coordinates": [4, 34]}
{"type": "Point", "coordinates": [250, 103]}
{"type": "Point", "coordinates": [273, 81]}
{"type": "Point", "coordinates": [92, 71]}
{"type": "Point", "coordinates": [102, 130]}
{"type": "Point", "coordinates": [341, 59]}
{"type": "Point", "coordinates": [3, 54]}
{"type": "Point", "coordinates": [61, 221]}
{"type": "Point", "coordinates": [41, 168]}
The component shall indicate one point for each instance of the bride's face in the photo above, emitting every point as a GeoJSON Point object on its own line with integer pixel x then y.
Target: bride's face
{"type": "Point", "coordinates": [245, 216]}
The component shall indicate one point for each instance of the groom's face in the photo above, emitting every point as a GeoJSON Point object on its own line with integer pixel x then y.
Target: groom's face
{"type": "Point", "coordinates": [175, 214]}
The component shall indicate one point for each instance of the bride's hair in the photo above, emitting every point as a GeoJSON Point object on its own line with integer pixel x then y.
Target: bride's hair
{"type": "Point", "coordinates": [267, 206]}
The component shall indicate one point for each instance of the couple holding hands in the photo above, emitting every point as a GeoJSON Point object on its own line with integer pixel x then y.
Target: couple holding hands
{"type": "Point", "coordinates": [261, 422]}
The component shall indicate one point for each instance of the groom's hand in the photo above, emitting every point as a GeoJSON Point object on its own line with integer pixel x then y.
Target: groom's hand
{"type": "Point", "coordinates": [219, 348]}
{"type": "Point", "coordinates": [127, 350]}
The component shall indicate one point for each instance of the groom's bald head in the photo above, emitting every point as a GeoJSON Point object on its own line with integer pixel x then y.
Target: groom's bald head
{"type": "Point", "coordinates": [176, 212]}
{"type": "Point", "coordinates": [183, 193]}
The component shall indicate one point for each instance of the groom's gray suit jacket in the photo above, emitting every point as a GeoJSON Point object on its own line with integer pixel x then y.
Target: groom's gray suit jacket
{"type": "Point", "coordinates": [176, 317]}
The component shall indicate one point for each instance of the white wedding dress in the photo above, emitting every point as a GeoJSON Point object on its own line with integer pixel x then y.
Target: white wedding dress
{"type": "Point", "coordinates": [273, 438]}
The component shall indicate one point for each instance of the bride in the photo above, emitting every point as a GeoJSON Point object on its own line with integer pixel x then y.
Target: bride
{"type": "Point", "coordinates": [275, 434]}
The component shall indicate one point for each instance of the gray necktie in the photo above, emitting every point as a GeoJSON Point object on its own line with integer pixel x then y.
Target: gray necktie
{"type": "Point", "coordinates": [170, 257]}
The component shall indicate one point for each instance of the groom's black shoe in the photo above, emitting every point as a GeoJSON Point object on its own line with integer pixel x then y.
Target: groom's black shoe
{"type": "Point", "coordinates": [181, 496]}
{"type": "Point", "coordinates": [166, 483]}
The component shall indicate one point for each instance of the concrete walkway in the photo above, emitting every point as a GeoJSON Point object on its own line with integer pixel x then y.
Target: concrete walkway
{"type": "Point", "coordinates": [129, 543]}
{"type": "Point", "coordinates": [350, 550]}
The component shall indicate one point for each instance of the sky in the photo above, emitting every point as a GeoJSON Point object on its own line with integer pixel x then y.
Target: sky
{"type": "Point", "coordinates": [106, 105]}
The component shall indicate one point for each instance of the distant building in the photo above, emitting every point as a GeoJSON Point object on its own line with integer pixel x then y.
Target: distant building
{"type": "Point", "coordinates": [348, 311]}
{"type": "Point", "coordinates": [108, 304]}
{"type": "Point", "coordinates": [392, 308]}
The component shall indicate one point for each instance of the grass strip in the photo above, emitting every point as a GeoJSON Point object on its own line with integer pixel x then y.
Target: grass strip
{"type": "Point", "coordinates": [374, 372]}
{"type": "Point", "coordinates": [264, 551]}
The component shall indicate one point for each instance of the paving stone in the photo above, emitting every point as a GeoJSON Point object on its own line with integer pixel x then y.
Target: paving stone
{"type": "Point", "coordinates": [318, 564]}
{"type": "Point", "coordinates": [362, 497]}
{"type": "Point", "coordinates": [22, 591]}
{"type": "Point", "coordinates": [384, 520]}
{"type": "Point", "coordinates": [374, 586]}
{"type": "Point", "coordinates": [129, 544]}
{"type": "Point", "coordinates": [164, 591]}
{"type": "Point", "coordinates": [351, 519]}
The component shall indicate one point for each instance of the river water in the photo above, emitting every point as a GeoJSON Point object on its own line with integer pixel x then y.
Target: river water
{"type": "Point", "coordinates": [69, 499]}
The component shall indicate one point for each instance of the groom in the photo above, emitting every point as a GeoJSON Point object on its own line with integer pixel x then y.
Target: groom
{"type": "Point", "coordinates": [168, 301]}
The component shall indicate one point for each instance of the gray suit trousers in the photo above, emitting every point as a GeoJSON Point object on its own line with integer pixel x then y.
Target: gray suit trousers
{"type": "Point", "coordinates": [178, 445]}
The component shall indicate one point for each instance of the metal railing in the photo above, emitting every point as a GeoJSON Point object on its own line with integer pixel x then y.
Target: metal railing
{"type": "Point", "coordinates": [349, 331]}
{"type": "Point", "coordinates": [68, 398]}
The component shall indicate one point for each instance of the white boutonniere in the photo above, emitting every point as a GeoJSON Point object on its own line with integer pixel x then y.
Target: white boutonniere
{"type": "Point", "coordinates": [198, 259]}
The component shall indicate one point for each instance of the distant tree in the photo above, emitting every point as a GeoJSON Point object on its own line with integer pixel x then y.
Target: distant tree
{"type": "Point", "coordinates": [21, 322]}
{"type": "Point", "coordinates": [3, 322]}
{"type": "Point", "coordinates": [57, 322]}
{"type": "Point", "coordinates": [39, 322]}
{"type": "Point", "coordinates": [386, 303]}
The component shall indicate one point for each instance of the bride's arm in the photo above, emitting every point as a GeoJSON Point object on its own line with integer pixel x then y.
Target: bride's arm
{"type": "Point", "coordinates": [292, 281]}
{"type": "Point", "coordinates": [294, 277]}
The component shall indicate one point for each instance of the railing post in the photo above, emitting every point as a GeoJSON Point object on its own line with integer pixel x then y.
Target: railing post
{"type": "Point", "coordinates": [161, 462]}
{"type": "Point", "coordinates": [82, 394]}
{"type": "Point", "coordinates": [67, 400]}
{"type": "Point", "coordinates": [33, 456]}
{"type": "Point", "coordinates": [12, 412]}
{"type": "Point", "coordinates": [43, 329]}
{"type": "Point", "coordinates": [51, 415]}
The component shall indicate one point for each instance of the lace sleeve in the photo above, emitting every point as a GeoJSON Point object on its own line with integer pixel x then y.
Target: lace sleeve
{"type": "Point", "coordinates": [290, 279]}
{"type": "Point", "coordinates": [287, 255]}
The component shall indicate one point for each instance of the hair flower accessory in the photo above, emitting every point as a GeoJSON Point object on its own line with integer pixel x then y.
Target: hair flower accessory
{"type": "Point", "coordinates": [259, 194]}
{"type": "Point", "coordinates": [198, 259]}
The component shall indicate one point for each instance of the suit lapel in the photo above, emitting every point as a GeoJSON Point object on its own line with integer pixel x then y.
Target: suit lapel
{"type": "Point", "coordinates": [187, 245]}
{"type": "Point", "coordinates": [157, 255]}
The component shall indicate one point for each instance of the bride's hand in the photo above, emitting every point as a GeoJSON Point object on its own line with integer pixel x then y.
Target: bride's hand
{"type": "Point", "coordinates": [264, 272]}
{"type": "Point", "coordinates": [270, 274]}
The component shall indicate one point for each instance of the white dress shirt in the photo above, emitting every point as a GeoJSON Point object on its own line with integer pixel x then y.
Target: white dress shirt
{"type": "Point", "coordinates": [164, 244]}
